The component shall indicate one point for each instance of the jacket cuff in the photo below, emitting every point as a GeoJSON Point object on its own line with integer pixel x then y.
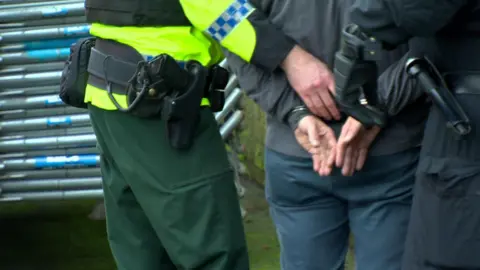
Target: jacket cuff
{"type": "Point", "coordinates": [297, 114]}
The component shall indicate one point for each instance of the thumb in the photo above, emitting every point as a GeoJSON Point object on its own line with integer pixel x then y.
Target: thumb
{"type": "Point", "coordinates": [313, 135]}
{"type": "Point", "coordinates": [353, 130]}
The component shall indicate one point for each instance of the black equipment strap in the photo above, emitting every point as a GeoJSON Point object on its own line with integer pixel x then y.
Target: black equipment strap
{"type": "Point", "coordinates": [119, 72]}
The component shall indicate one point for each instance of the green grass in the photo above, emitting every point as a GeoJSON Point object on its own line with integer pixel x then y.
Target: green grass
{"type": "Point", "coordinates": [54, 236]}
{"type": "Point", "coordinates": [59, 236]}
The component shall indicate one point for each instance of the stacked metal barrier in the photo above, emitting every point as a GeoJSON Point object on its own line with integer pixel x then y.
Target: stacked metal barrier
{"type": "Point", "coordinates": [47, 149]}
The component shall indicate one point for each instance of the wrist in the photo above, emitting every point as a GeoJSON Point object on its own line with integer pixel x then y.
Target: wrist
{"type": "Point", "coordinates": [297, 114]}
{"type": "Point", "coordinates": [291, 58]}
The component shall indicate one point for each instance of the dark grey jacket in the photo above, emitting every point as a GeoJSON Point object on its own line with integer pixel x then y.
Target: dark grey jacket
{"type": "Point", "coordinates": [316, 26]}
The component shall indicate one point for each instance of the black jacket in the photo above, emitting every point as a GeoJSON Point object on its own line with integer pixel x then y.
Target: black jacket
{"type": "Point", "coordinates": [396, 21]}
{"type": "Point", "coordinates": [446, 31]}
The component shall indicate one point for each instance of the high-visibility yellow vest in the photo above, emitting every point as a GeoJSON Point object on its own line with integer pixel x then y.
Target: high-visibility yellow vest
{"type": "Point", "coordinates": [213, 23]}
{"type": "Point", "coordinates": [234, 24]}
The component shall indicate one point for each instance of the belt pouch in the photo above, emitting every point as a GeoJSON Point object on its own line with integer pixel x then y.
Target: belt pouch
{"type": "Point", "coordinates": [75, 75]}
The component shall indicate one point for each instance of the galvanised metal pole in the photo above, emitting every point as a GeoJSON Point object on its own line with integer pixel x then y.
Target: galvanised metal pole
{"type": "Point", "coordinates": [28, 103]}
{"type": "Point", "coordinates": [50, 162]}
{"type": "Point", "coordinates": [48, 143]}
{"type": "Point", "coordinates": [38, 45]}
{"type": "Point", "coordinates": [26, 92]}
{"type": "Point", "coordinates": [9, 4]}
{"type": "Point", "coordinates": [31, 68]}
{"type": "Point", "coordinates": [41, 12]}
{"type": "Point", "coordinates": [35, 56]}
{"type": "Point", "coordinates": [39, 33]}
{"type": "Point", "coordinates": [43, 174]}
{"type": "Point", "coordinates": [17, 114]}
{"type": "Point", "coordinates": [52, 152]}
{"type": "Point", "coordinates": [45, 123]}
{"type": "Point", "coordinates": [47, 133]}
{"type": "Point", "coordinates": [52, 195]}
{"type": "Point", "coordinates": [27, 185]}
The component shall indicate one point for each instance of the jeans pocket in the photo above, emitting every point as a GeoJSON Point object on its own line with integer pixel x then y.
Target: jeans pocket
{"type": "Point", "coordinates": [450, 202]}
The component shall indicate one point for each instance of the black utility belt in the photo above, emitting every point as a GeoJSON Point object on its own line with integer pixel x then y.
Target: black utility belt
{"type": "Point", "coordinates": [155, 87]}
{"type": "Point", "coordinates": [154, 80]}
{"type": "Point", "coordinates": [150, 80]}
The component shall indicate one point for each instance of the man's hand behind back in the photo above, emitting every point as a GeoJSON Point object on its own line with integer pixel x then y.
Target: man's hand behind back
{"type": "Point", "coordinates": [352, 146]}
{"type": "Point", "coordinates": [349, 152]}
{"type": "Point", "coordinates": [313, 81]}
{"type": "Point", "coordinates": [319, 140]}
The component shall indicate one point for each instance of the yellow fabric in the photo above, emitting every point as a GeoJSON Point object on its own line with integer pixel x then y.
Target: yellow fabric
{"type": "Point", "coordinates": [181, 42]}
{"type": "Point", "coordinates": [99, 98]}
{"type": "Point", "coordinates": [245, 35]}
{"type": "Point", "coordinates": [202, 13]}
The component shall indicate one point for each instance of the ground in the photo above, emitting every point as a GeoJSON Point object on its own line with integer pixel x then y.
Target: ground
{"type": "Point", "coordinates": [59, 236]}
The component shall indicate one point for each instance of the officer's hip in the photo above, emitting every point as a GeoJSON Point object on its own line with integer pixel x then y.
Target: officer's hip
{"type": "Point", "coordinates": [439, 140]}
{"type": "Point", "coordinates": [444, 230]}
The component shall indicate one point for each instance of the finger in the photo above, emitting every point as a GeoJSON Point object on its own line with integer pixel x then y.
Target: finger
{"type": "Point", "coordinates": [308, 102]}
{"type": "Point", "coordinates": [313, 132]}
{"type": "Point", "coordinates": [317, 163]}
{"type": "Point", "coordinates": [362, 157]}
{"type": "Point", "coordinates": [321, 109]}
{"type": "Point", "coordinates": [330, 104]}
{"type": "Point", "coordinates": [348, 161]}
{"type": "Point", "coordinates": [332, 145]}
{"type": "Point", "coordinates": [328, 145]}
{"type": "Point", "coordinates": [345, 134]}
{"type": "Point", "coordinates": [355, 153]}
{"type": "Point", "coordinates": [341, 146]}
{"type": "Point", "coordinates": [340, 153]}
{"type": "Point", "coordinates": [329, 160]}
{"type": "Point", "coordinates": [354, 129]}
{"type": "Point", "coordinates": [331, 86]}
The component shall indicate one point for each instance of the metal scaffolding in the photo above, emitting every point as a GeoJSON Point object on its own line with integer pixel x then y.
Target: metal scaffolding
{"type": "Point", "coordinates": [47, 149]}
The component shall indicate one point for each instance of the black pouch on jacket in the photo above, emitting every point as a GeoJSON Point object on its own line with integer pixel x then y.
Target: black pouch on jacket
{"type": "Point", "coordinates": [75, 74]}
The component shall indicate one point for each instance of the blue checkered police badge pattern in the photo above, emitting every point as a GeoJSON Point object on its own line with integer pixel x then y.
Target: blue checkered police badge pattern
{"type": "Point", "coordinates": [230, 18]}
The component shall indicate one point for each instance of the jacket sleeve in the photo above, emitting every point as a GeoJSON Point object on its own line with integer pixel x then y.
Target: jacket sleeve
{"type": "Point", "coordinates": [395, 21]}
{"type": "Point", "coordinates": [242, 29]}
{"type": "Point", "coordinates": [256, 82]}
{"type": "Point", "coordinates": [395, 90]}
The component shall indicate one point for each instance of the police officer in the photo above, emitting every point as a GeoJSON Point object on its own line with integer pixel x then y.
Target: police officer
{"type": "Point", "coordinates": [151, 88]}
{"type": "Point", "coordinates": [444, 230]}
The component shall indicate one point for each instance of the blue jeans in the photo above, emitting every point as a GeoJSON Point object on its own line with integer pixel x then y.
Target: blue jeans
{"type": "Point", "coordinates": [314, 215]}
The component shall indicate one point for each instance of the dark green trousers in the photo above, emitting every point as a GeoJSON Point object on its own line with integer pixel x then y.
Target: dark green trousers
{"type": "Point", "coordinates": [168, 209]}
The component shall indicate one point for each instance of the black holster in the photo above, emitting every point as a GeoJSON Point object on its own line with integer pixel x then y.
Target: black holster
{"type": "Point", "coordinates": [75, 75]}
{"type": "Point", "coordinates": [181, 110]}
{"type": "Point", "coordinates": [355, 72]}
{"type": "Point", "coordinates": [215, 88]}
{"type": "Point", "coordinates": [160, 77]}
